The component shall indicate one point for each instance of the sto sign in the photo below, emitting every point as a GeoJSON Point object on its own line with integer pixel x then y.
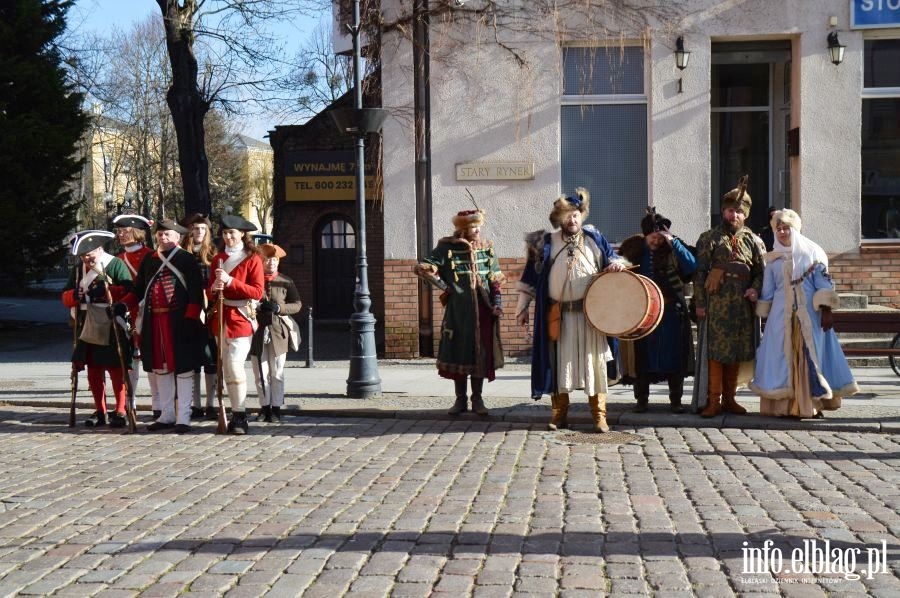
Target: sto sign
{"type": "Point", "coordinates": [874, 14]}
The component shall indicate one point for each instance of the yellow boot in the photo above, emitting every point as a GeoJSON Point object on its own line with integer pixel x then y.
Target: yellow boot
{"type": "Point", "coordinates": [598, 412]}
{"type": "Point", "coordinates": [559, 411]}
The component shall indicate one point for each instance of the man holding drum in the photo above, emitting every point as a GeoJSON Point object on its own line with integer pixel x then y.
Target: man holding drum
{"type": "Point", "coordinates": [667, 353]}
{"type": "Point", "coordinates": [726, 286]}
{"type": "Point", "coordinates": [567, 353]}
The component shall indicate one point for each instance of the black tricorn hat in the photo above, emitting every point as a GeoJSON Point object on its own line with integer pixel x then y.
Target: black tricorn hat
{"type": "Point", "coordinates": [132, 220]}
{"type": "Point", "coordinates": [169, 224]}
{"type": "Point", "coordinates": [237, 223]}
{"type": "Point", "coordinates": [90, 240]}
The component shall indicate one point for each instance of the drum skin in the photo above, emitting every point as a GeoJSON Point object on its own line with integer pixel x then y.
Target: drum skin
{"type": "Point", "coordinates": [624, 305]}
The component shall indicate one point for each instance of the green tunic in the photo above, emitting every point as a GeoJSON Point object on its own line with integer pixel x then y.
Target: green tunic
{"type": "Point", "coordinates": [730, 319]}
{"type": "Point", "coordinates": [468, 345]}
{"type": "Point", "coordinates": [101, 355]}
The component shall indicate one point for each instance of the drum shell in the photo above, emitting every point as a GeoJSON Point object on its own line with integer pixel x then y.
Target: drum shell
{"type": "Point", "coordinates": [624, 305]}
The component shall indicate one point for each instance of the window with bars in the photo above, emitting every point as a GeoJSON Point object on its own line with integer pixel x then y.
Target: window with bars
{"type": "Point", "coordinates": [603, 130]}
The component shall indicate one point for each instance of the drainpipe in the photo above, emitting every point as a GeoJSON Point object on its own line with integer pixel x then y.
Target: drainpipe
{"type": "Point", "coordinates": [422, 109]}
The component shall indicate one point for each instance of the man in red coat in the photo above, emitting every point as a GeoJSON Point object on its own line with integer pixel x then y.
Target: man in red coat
{"type": "Point", "coordinates": [170, 291]}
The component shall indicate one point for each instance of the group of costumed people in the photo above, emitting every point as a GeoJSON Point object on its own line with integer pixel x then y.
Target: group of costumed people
{"type": "Point", "coordinates": [176, 311]}
{"type": "Point", "coordinates": [800, 370]}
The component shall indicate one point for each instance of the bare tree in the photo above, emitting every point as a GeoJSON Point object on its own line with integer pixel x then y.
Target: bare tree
{"type": "Point", "coordinates": [243, 63]}
{"type": "Point", "coordinates": [320, 78]}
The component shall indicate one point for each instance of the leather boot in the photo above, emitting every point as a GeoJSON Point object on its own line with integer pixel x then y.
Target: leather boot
{"type": "Point", "coordinates": [642, 394]}
{"type": "Point", "coordinates": [238, 424]}
{"type": "Point", "coordinates": [477, 402]}
{"type": "Point", "coordinates": [461, 404]}
{"type": "Point", "coordinates": [598, 412]}
{"type": "Point", "coordinates": [265, 414]}
{"type": "Point", "coordinates": [729, 389]}
{"type": "Point", "coordinates": [714, 390]}
{"type": "Point", "coordinates": [276, 413]}
{"type": "Point", "coordinates": [676, 391]}
{"type": "Point", "coordinates": [559, 411]}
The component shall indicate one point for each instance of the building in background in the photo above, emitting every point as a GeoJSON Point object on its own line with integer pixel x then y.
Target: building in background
{"type": "Point", "coordinates": [257, 157]}
{"type": "Point", "coordinates": [529, 102]}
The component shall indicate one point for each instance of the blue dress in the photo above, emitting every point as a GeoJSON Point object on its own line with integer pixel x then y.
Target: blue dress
{"type": "Point", "coordinates": [800, 368]}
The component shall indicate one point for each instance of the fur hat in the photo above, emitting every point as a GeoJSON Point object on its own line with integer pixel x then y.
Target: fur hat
{"type": "Point", "coordinates": [193, 219]}
{"type": "Point", "coordinates": [786, 216]}
{"type": "Point", "coordinates": [738, 198]}
{"type": "Point", "coordinates": [580, 201]}
{"type": "Point", "coordinates": [268, 250]}
{"type": "Point", "coordinates": [468, 219]}
{"type": "Point", "coordinates": [654, 222]}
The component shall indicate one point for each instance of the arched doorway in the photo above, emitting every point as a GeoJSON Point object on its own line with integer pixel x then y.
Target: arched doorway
{"type": "Point", "coordinates": [335, 268]}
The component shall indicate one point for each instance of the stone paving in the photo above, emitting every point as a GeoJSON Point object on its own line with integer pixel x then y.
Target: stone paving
{"type": "Point", "coordinates": [399, 507]}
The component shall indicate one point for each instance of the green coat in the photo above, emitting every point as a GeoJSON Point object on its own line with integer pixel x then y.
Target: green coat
{"type": "Point", "coordinates": [472, 276]}
{"type": "Point", "coordinates": [100, 355]}
{"type": "Point", "coordinates": [731, 328]}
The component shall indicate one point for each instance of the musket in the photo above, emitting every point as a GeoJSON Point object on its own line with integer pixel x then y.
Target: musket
{"type": "Point", "coordinates": [222, 427]}
{"type": "Point", "coordinates": [129, 407]}
{"type": "Point", "coordinates": [74, 375]}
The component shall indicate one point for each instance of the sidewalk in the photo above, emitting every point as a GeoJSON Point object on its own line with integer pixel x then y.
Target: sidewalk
{"type": "Point", "coordinates": [34, 371]}
{"type": "Point", "coordinates": [413, 390]}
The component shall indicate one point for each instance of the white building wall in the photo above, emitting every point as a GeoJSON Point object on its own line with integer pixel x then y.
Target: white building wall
{"type": "Point", "coordinates": [485, 107]}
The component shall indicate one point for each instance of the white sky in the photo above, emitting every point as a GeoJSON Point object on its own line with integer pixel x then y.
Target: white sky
{"type": "Point", "coordinates": [105, 15]}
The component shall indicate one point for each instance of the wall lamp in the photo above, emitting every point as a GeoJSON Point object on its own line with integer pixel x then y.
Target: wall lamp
{"type": "Point", "coordinates": [835, 48]}
{"type": "Point", "coordinates": [682, 56]}
{"type": "Point", "coordinates": [681, 59]}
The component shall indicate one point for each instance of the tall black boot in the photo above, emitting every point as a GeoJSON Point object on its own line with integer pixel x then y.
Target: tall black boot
{"type": "Point", "coordinates": [460, 405]}
{"type": "Point", "coordinates": [676, 390]}
{"type": "Point", "coordinates": [477, 401]}
{"type": "Point", "coordinates": [642, 394]}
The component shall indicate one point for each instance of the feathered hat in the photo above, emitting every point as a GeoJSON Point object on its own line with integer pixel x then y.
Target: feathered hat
{"type": "Point", "coordinates": [654, 222]}
{"type": "Point", "coordinates": [738, 198]}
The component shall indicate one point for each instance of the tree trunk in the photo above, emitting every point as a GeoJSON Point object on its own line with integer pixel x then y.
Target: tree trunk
{"type": "Point", "coordinates": [187, 105]}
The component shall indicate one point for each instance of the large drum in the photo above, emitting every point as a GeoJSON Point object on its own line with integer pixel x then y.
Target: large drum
{"type": "Point", "coordinates": [623, 304]}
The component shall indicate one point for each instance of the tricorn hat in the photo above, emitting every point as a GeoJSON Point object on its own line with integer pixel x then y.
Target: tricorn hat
{"type": "Point", "coordinates": [132, 220]}
{"type": "Point", "coordinates": [169, 224]}
{"type": "Point", "coordinates": [580, 201]}
{"type": "Point", "coordinates": [192, 219]}
{"type": "Point", "coordinates": [738, 198]}
{"type": "Point", "coordinates": [89, 240]}
{"type": "Point", "coordinates": [271, 250]}
{"type": "Point", "coordinates": [236, 222]}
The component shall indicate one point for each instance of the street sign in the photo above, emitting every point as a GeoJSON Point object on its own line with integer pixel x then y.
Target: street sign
{"type": "Point", "coordinates": [874, 14]}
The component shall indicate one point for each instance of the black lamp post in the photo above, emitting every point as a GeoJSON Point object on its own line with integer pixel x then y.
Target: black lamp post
{"type": "Point", "coordinates": [363, 381]}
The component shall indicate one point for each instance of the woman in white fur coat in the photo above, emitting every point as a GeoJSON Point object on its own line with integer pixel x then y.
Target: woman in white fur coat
{"type": "Point", "coordinates": [800, 370]}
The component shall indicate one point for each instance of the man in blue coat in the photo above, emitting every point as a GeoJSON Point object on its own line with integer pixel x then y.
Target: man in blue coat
{"type": "Point", "coordinates": [567, 353]}
{"type": "Point", "coordinates": [667, 353]}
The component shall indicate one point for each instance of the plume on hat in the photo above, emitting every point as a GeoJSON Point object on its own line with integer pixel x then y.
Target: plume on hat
{"type": "Point", "coordinates": [738, 198]}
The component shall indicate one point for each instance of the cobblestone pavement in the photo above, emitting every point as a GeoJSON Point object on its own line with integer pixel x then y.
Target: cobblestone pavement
{"type": "Point", "coordinates": [379, 507]}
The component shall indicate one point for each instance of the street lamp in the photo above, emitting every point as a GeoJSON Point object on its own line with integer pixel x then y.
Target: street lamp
{"type": "Point", "coordinates": [363, 381]}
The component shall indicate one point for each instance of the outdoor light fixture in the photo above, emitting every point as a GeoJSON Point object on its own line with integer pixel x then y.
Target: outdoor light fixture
{"type": "Point", "coordinates": [835, 48]}
{"type": "Point", "coordinates": [681, 55]}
